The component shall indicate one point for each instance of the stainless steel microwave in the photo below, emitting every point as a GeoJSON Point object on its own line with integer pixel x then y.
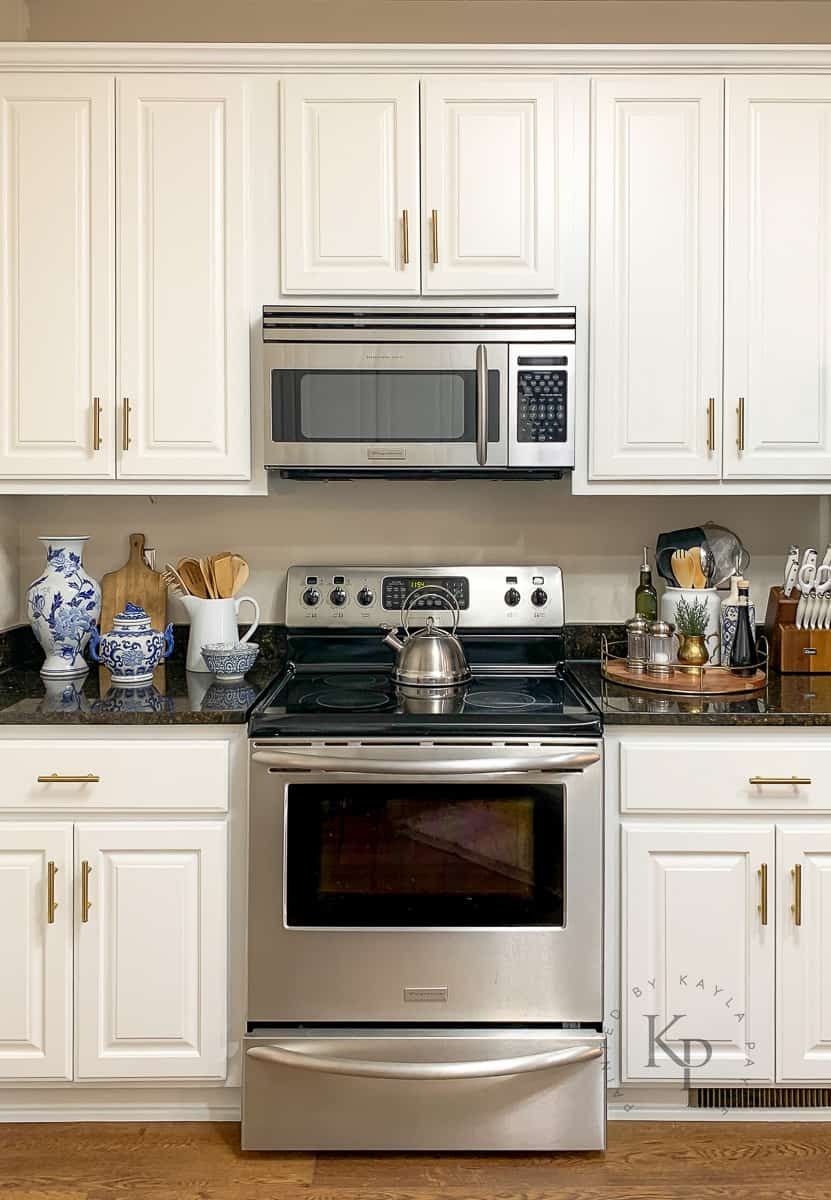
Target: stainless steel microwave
{"type": "Point", "coordinates": [392, 391]}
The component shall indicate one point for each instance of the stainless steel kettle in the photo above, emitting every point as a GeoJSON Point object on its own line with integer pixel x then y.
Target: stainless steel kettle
{"type": "Point", "coordinates": [431, 656]}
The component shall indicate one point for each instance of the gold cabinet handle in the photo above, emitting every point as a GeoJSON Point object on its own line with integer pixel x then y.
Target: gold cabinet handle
{"type": "Point", "coordinates": [773, 781]}
{"type": "Point", "coordinates": [763, 886]}
{"type": "Point", "coordinates": [796, 907]}
{"type": "Point", "coordinates": [86, 903]}
{"type": "Point", "coordinates": [740, 425]}
{"type": "Point", "coordinates": [96, 423]}
{"type": "Point", "coordinates": [405, 237]}
{"type": "Point", "coordinates": [711, 425]}
{"type": "Point", "coordinates": [56, 778]}
{"type": "Point", "coordinates": [435, 222]}
{"type": "Point", "coordinates": [51, 902]}
{"type": "Point", "coordinates": [125, 425]}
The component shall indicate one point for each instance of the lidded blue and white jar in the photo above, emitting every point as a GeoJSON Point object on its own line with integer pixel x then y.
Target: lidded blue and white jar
{"type": "Point", "coordinates": [63, 605]}
{"type": "Point", "coordinates": [132, 650]}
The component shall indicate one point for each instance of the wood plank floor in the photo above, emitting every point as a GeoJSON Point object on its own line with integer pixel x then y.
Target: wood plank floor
{"type": "Point", "coordinates": [660, 1161]}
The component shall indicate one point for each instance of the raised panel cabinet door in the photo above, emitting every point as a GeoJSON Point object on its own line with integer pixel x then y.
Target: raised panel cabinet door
{"type": "Point", "coordinates": [183, 314]}
{"type": "Point", "coordinates": [151, 950]}
{"type": "Point", "coordinates": [57, 276]}
{"type": "Point", "coordinates": [803, 1013]}
{"type": "Point", "coordinates": [655, 358]}
{"type": "Point", "coordinates": [698, 952]}
{"type": "Point", "coordinates": [35, 950]}
{"type": "Point", "coordinates": [777, 322]}
{"type": "Point", "coordinates": [489, 210]}
{"type": "Point", "coordinates": [350, 184]}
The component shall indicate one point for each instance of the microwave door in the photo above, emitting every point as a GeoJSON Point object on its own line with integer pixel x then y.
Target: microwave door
{"type": "Point", "coordinates": [388, 405]}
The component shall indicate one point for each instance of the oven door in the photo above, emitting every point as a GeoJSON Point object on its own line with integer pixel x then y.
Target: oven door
{"type": "Point", "coordinates": [425, 883]}
{"type": "Point", "coordinates": [391, 405]}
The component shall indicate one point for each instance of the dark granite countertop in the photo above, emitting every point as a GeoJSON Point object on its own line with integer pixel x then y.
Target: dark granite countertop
{"type": "Point", "coordinates": [176, 696]}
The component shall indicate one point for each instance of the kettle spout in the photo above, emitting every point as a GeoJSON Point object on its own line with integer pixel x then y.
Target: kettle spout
{"type": "Point", "coordinates": [392, 639]}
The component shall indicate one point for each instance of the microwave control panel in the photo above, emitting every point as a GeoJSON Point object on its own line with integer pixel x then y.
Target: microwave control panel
{"type": "Point", "coordinates": [542, 395]}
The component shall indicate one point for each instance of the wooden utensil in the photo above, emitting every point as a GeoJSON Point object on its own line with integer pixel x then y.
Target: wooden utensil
{"type": "Point", "coordinates": [241, 572]}
{"type": "Point", "coordinates": [206, 566]}
{"type": "Point", "coordinates": [134, 583]}
{"type": "Point", "coordinates": [191, 573]}
{"type": "Point", "coordinates": [699, 575]}
{"type": "Point", "coordinates": [682, 568]}
{"type": "Point", "coordinates": [223, 569]}
{"type": "Point", "coordinates": [173, 581]}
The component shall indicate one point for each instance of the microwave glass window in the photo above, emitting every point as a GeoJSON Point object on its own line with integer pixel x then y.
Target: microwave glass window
{"type": "Point", "coordinates": [451, 855]}
{"type": "Point", "coordinates": [379, 406]}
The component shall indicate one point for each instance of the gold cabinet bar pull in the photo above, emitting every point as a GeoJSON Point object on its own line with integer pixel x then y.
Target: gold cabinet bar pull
{"type": "Point", "coordinates": [56, 778]}
{"type": "Point", "coordinates": [86, 903]}
{"type": "Point", "coordinates": [96, 423]}
{"type": "Point", "coordinates": [125, 425]}
{"type": "Point", "coordinates": [796, 907]}
{"type": "Point", "coordinates": [711, 425]}
{"type": "Point", "coordinates": [51, 902]}
{"type": "Point", "coordinates": [780, 781]}
{"type": "Point", "coordinates": [405, 237]}
{"type": "Point", "coordinates": [740, 425]}
{"type": "Point", "coordinates": [763, 884]}
{"type": "Point", "coordinates": [435, 221]}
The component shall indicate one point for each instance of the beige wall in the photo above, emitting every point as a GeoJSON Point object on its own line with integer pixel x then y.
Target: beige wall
{"type": "Point", "coordinates": [431, 20]}
{"type": "Point", "coordinates": [10, 596]}
{"type": "Point", "coordinates": [596, 540]}
{"type": "Point", "coordinates": [14, 20]}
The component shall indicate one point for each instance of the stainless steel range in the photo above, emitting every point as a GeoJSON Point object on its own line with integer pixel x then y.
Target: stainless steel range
{"type": "Point", "coordinates": [426, 871]}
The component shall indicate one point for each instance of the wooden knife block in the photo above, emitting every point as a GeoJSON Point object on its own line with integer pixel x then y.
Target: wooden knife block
{"type": "Point", "coordinates": [795, 651]}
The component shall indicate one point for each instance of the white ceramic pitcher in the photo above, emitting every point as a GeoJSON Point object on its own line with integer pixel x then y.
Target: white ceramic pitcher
{"type": "Point", "coordinates": [215, 621]}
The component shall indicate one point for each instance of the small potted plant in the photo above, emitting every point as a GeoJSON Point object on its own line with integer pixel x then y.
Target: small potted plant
{"type": "Point", "coordinates": [691, 629]}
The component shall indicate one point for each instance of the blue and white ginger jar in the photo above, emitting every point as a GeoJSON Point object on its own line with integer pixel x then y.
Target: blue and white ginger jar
{"type": "Point", "coordinates": [63, 606]}
{"type": "Point", "coordinates": [131, 650]}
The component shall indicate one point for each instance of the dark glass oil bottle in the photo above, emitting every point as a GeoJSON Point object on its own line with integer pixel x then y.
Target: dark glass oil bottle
{"type": "Point", "coordinates": [646, 598]}
{"type": "Point", "coordinates": [743, 649]}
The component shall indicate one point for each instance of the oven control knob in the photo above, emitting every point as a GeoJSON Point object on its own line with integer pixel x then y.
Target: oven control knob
{"type": "Point", "coordinates": [512, 597]}
{"type": "Point", "coordinates": [365, 596]}
{"type": "Point", "coordinates": [338, 597]}
{"type": "Point", "coordinates": [311, 596]}
{"type": "Point", "coordinates": [539, 597]}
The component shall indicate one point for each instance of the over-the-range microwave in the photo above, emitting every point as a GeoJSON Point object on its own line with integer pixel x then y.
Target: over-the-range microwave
{"type": "Point", "coordinates": [419, 392]}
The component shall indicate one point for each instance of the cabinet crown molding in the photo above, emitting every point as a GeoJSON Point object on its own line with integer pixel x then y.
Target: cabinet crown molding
{"type": "Point", "coordinates": [286, 57]}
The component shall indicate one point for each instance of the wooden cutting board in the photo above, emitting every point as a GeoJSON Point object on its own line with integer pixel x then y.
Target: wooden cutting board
{"type": "Point", "coordinates": [134, 583]}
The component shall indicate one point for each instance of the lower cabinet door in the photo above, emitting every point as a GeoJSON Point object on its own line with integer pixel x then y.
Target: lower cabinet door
{"type": "Point", "coordinates": [804, 961]}
{"type": "Point", "coordinates": [35, 950]}
{"type": "Point", "coordinates": [698, 952]}
{"type": "Point", "coordinates": [151, 950]}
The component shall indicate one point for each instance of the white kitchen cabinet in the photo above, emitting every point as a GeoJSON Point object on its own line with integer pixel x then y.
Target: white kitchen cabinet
{"type": "Point", "coordinates": [803, 960]}
{"type": "Point", "coordinates": [350, 184]}
{"type": "Point", "coordinates": [183, 319]}
{"type": "Point", "coordinates": [151, 950]}
{"type": "Point", "coordinates": [57, 264]}
{"type": "Point", "coordinates": [488, 216]}
{"type": "Point", "coordinates": [656, 278]}
{"type": "Point", "coordinates": [35, 951]}
{"type": "Point", "coordinates": [778, 277]}
{"type": "Point", "coordinates": [698, 947]}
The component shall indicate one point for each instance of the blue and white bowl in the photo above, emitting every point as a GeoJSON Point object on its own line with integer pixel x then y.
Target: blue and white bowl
{"type": "Point", "coordinates": [230, 660]}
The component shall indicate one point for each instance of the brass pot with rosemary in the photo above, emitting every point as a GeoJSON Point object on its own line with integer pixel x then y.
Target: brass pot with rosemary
{"type": "Point", "coordinates": [691, 629]}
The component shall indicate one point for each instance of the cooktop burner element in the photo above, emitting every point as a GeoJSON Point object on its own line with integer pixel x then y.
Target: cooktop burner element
{"type": "Point", "coordinates": [338, 680]}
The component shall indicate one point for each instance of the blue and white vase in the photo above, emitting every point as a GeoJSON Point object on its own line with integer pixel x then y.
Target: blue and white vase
{"type": "Point", "coordinates": [63, 605]}
{"type": "Point", "coordinates": [132, 649]}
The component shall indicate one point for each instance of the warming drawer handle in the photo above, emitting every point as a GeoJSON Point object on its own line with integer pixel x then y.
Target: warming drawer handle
{"type": "Point", "coordinates": [294, 760]}
{"type": "Point", "coordinates": [484, 1069]}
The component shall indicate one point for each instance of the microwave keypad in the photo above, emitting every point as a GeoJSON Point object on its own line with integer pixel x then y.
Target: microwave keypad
{"type": "Point", "coordinates": [541, 406]}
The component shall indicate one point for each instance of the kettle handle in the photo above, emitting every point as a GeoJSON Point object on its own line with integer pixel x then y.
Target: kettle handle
{"type": "Point", "coordinates": [435, 589]}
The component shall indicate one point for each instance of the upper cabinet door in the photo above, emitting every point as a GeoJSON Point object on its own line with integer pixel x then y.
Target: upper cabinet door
{"type": "Point", "coordinates": [489, 213]}
{"type": "Point", "coordinates": [35, 951]}
{"type": "Point", "coordinates": [656, 278]}
{"type": "Point", "coordinates": [778, 278]}
{"type": "Point", "coordinates": [183, 319]}
{"type": "Point", "coordinates": [57, 272]}
{"type": "Point", "coordinates": [350, 184]}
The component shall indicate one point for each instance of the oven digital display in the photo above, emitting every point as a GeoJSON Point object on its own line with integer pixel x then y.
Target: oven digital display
{"type": "Point", "coordinates": [396, 588]}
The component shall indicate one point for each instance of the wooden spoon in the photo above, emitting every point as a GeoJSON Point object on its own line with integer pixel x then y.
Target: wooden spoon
{"type": "Point", "coordinates": [223, 571]}
{"type": "Point", "coordinates": [241, 572]}
{"type": "Point", "coordinates": [208, 575]}
{"type": "Point", "coordinates": [699, 579]}
{"type": "Point", "coordinates": [193, 578]}
{"type": "Point", "coordinates": [682, 568]}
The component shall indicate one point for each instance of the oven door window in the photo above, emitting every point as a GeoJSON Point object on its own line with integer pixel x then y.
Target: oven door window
{"type": "Point", "coordinates": [447, 855]}
{"type": "Point", "coordinates": [312, 405]}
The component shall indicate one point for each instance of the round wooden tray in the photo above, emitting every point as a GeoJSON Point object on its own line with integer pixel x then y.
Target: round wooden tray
{"type": "Point", "coordinates": [711, 681]}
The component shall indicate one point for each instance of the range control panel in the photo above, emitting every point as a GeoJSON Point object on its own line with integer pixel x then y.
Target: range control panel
{"type": "Point", "coordinates": [369, 597]}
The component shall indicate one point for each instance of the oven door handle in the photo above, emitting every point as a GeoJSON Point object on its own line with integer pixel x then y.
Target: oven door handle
{"type": "Point", "coordinates": [297, 760]}
{"type": "Point", "coordinates": [482, 1069]}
